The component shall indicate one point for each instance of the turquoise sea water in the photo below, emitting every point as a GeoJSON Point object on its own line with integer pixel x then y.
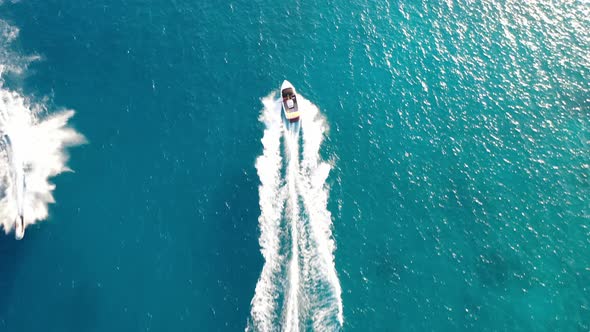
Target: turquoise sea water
{"type": "Point", "coordinates": [457, 133]}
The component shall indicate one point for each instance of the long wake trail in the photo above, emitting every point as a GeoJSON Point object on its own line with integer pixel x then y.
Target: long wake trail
{"type": "Point", "coordinates": [298, 288]}
{"type": "Point", "coordinates": [291, 321]}
{"type": "Point", "coordinates": [268, 165]}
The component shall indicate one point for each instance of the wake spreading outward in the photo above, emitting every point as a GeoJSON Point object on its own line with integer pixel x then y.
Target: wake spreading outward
{"type": "Point", "coordinates": [32, 149]}
{"type": "Point", "coordinates": [298, 288]}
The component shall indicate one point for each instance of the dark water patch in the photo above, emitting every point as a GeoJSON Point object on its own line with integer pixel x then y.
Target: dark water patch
{"type": "Point", "coordinates": [500, 270]}
{"type": "Point", "coordinates": [387, 268]}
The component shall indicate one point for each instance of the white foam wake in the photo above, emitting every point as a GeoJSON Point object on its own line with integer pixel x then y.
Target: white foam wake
{"type": "Point", "coordinates": [268, 165]}
{"type": "Point", "coordinates": [325, 298]}
{"type": "Point", "coordinates": [298, 288]}
{"type": "Point", "coordinates": [36, 153]}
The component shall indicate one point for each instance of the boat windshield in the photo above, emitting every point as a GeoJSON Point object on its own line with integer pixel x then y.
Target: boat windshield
{"type": "Point", "coordinates": [288, 93]}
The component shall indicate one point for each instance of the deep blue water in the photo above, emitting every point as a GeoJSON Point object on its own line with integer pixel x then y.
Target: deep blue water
{"type": "Point", "coordinates": [459, 136]}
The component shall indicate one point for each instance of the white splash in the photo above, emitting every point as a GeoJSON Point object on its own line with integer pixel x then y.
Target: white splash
{"type": "Point", "coordinates": [298, 288]}
{"type": "Point", "coordinates": [33, 153]}
{"type": "Point", "coordinates": [11, 61]}
{"type": "Point", "coordinates": [326, 300]}
{"type": "Point", "coordinates": [268, 165]}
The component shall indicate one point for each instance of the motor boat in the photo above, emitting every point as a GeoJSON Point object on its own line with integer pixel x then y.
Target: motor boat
{"type": "Point", "coordinates": [18, 185]}
{"type": "Point", "coordinates": [289, 102]}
